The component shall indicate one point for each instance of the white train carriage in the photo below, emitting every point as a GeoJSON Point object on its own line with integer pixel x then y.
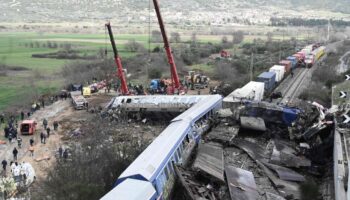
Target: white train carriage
{"type": "Point", "coordinates": [151, 175]}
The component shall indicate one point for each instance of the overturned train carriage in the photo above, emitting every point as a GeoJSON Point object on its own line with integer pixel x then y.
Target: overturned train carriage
{"type": "Point", "coordinates": [154, 107]}
{"type": "Point", "coordinates": [270, 113]}
{"type": "Point", "coordinates": [151, 175]}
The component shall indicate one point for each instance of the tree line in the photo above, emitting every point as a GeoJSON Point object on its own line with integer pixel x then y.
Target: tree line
{"type": "Point", "coordinates": [306, 22]}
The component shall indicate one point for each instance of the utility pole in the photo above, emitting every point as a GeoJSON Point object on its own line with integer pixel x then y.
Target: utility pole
{"type": "Point", "coordinates": [251, 66]}
{"type": "Point", "coordinates": [328, 29]}
{"type": "Point", "coordinates": [280, 53]}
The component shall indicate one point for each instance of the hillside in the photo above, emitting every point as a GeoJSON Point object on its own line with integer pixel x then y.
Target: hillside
{"type": "Point", "coordinates": [179, 11]}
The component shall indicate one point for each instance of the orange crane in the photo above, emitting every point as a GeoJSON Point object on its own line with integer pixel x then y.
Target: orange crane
{"type": "Point", "coordinates": [174, 76]}
{"type": "Point", "coordinates": [118, 62]}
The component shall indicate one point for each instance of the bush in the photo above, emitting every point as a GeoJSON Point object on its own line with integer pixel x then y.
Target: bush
{"type": "Point", "coordinates": [94, 164]}
{"type": "Point", "coordinates": [134, 46]}
{"type": "Point", "coordinates": [154, 73]}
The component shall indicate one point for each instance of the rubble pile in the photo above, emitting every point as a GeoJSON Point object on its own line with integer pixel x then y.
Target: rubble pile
{"type": "Point", "coordinates": [263, 159]}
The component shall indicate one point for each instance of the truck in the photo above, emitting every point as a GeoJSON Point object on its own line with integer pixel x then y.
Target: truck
{"type": "Point", "coordinates": [197, 81]}
{"type": "Point", "coordinates": [78, 100]}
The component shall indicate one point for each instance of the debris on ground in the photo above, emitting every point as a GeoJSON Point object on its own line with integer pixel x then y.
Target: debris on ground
{"type": "Point", "coordinates": [253, 123]}
{"type": "Point", "coordinates": [292, 147]}
{"type": "Point", "coordinates": [223, 134]}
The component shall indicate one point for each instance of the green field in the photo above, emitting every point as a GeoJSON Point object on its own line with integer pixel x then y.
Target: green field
{"type": "Point", "coordinates": [43, 74]}
{"type": "Point", "coordinates": [16, 49]}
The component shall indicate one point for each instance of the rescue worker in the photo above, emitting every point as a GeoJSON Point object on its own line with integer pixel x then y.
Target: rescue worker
{"type": "Point", "coordinates": [60, 152]}
{"type": "Point", "coordinates": [55, 125]}
{"type": "Point", "coordinates": [42, 137]}
{"type": "Point", "coordinates": [22, 115]}
{"type": "Point", "coordinates": [6, 131]}
{"type": "Point", "coordinates": [15, 153]}
{"type": "Point", "coordinates": [31, 141]}
{"type": "Point", "coordinates": [43, 102]}
{"type": "Point", "coordinates": [31, 150]}
{"type": "Point", "coordinates": [48, 131]}
{"type": "Point", "coordinates": [4, 164]}
{"type": "Point", "coordinates": [65, 154]}
{"type": "Point", "coordinates": [19, 141]}
{"type": "Point", "coordinates": [45, 123]}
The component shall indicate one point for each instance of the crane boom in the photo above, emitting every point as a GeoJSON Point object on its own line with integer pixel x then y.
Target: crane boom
{"type": "Point", "coordinates": [174, 75]}
{"type": "Point", "coordinates": [118, 62]}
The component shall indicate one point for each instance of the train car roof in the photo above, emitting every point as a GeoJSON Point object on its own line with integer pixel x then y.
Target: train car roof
{"type": "Point", "coordinates": [147, 164]}
{"type": "Point", "coordinates": [131, 189]}
{"type": "Point", "coordinates": [203, 106]}
{"type": "Point", "coordinates": [157, 99]}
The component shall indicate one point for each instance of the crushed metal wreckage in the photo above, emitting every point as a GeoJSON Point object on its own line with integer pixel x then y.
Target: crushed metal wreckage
{"type": "Point", "coordinates": [292, 147]}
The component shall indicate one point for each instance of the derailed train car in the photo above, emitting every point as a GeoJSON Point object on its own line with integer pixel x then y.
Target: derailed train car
{"type": "Point", "coordinates": [270, 113]}
{"type": "Point", "coordinates": [151, 175]}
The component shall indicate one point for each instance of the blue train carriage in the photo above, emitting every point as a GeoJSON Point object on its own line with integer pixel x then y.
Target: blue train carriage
{"type": "Point", "coordinates": [294, 61]}
{"type": "Point", "coordinates": [199, 114]}
{"type": "Point", "coordinates": [151, 176]}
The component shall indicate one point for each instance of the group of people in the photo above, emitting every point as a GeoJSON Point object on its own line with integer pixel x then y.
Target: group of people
{"type": "Point", "coordinates": [47, 130]}
{"type": "Point", "coordinates": [16, 169]}
{"type": "Point", "coordinates": [11, 133]}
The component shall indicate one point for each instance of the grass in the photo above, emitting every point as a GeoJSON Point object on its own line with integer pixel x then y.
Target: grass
{"type": "Point", "coordinates": [15, 51]}
{"type": "Point", "coordinates": [204, 68]}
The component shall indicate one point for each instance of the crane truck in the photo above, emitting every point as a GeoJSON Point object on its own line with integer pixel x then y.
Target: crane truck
{"type": "Point", "coordinates": [118, 62]}
{"type": "Point", "coordinates": [176, 85]}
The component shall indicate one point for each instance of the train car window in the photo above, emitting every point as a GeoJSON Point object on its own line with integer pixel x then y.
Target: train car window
{"type": "Point", "coordinates": [182, 147]}
{"type": "Point", "coordinates": [176, 157]}
{"type": "Point", "coordinates": [166, 172]}
{"type": "Point", "coordinates": [128, 101]}
{"type": "Point", "coordinates": [178, 152]}
{"type": "Point", "coordinates": [170, 166]}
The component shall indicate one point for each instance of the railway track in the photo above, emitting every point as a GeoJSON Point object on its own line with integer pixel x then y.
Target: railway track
{"type": "Point", "coordinates": [292, 91]}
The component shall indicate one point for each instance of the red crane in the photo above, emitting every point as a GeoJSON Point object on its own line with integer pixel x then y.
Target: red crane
{"type": "Point", "coordinates": [118, 62]}
{"type": "Point", "coordinates": [174, 75]}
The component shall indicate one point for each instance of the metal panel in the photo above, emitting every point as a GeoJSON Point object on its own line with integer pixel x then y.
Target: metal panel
{"type": "Point", "coordinates": [241, 184]}
{"type": "Point", "coordinates": [210, 159]}
{"type": "Point", "coordinates": [285, 173]}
